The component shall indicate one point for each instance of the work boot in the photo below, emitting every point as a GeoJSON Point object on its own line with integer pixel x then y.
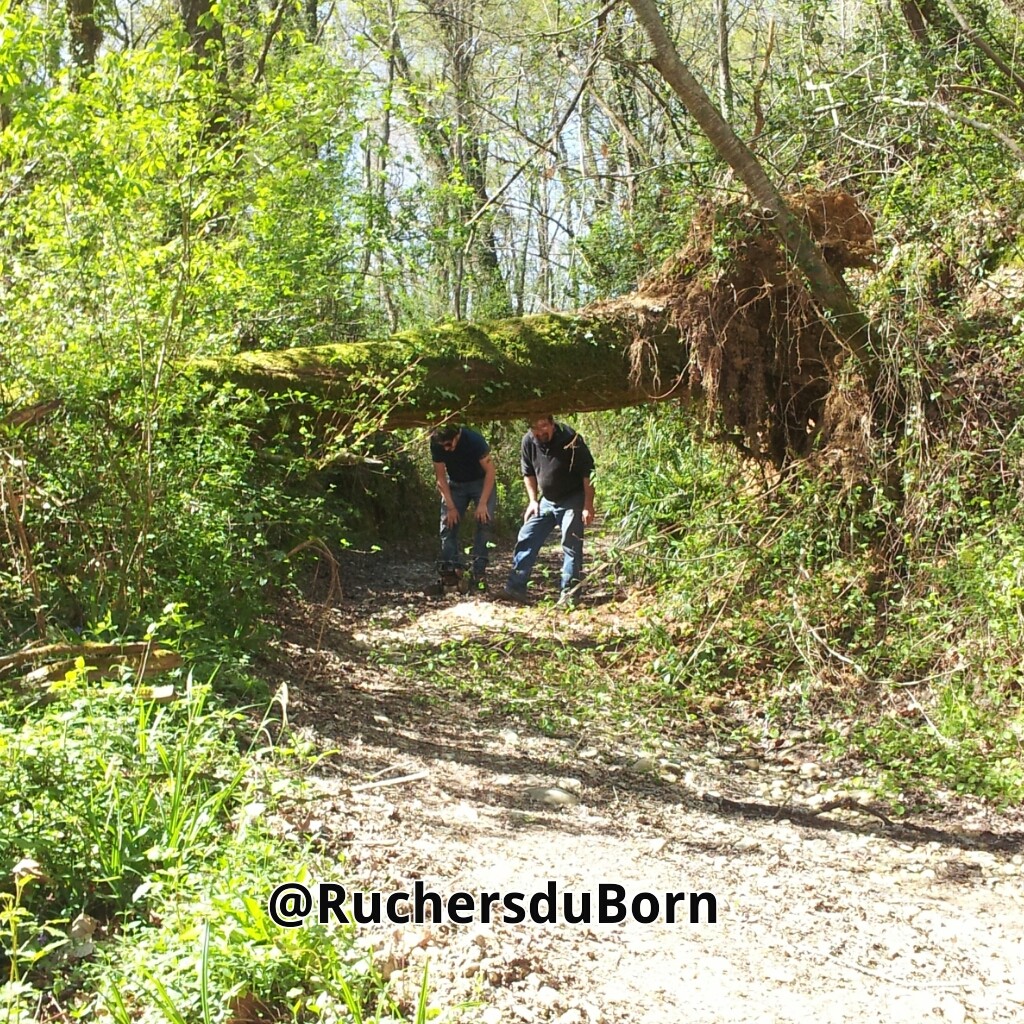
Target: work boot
{"type": "Point", "coordinates": [516, 596]}
{"type": "Point", "coordinates": [453, 581]}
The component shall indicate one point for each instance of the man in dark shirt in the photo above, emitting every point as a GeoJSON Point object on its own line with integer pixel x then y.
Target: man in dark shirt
{"type": "Point", "coordinates": [557, 466]}
{"type": "Point", "coordinates": [465, 473]}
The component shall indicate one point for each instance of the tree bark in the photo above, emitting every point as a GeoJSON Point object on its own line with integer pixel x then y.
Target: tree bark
{"type": "Point", "coordinates": [102, 661]}
{"type": "Point", "coordinates": [498, 370]}
{"type": "Point", "coordinates": [916, 23]}
{"type": "Point", "coordinates": [846, 320]}
{"type": "Point", "coordinates": [84, 31]}
{"type": "Point", "coordinates": [204, 28]}
{"type": "Point", "coordinates": [724, 72]}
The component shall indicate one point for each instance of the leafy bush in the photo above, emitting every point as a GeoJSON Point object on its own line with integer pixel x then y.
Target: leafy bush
{"type": "Point", "coordinates": [145, 825]}
{"type": "Point", "coordinates": [152, 787]}
{"type": "Point", "coordinates": [179, 505]}
{"type": "Point", "coordinates": [801, 601]}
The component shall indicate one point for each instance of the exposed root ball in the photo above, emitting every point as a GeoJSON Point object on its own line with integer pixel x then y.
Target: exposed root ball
{"type": "Point", "coordinates": [760, 354]}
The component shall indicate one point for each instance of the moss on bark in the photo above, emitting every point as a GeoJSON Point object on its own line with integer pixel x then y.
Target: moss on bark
{"type": "Point", "coordinates": [495, 370]}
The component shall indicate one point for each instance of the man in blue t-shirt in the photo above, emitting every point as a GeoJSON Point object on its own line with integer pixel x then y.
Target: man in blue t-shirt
{"type": "Point", "coordinates": [465, 473]}
{"type": "Point", "coordinates": [557, 466]}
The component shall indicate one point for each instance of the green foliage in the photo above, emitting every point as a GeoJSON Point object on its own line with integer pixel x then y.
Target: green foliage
{"type": "Point", "coordinates": [152, 787]}
{"type": "Point", "coordinates": [966, 749]}
{"type": "Point", "coordinates": [779, 598]}
{"type": "Point", "coordinates": [624, 244]}
{"type": "Point", "coordinates": [556, 686]}
{"type": "Point", "coordinates": [152, 215]}
{"type": "Point", "coordinates": [171, 501]}
{"type": "Point", "coordinates": [149, 820]}
{"type": "Point", "coordinates": [133, 239]}
{"type": "Point", "coordinates": [137, 237]}
{"type": "Point", "coordinates": [218, 952]}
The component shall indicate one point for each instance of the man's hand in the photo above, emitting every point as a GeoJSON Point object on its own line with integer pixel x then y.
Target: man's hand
{"type": "Point", "coordinates": [531, 510]}
{"type": "Point", "coordinates": [482, 515]}
{"type": "Point", "coordinates": [451, 517]}
{"type": "Point", "coordinates": [588, 516]}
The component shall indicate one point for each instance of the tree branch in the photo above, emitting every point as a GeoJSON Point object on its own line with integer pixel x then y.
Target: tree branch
{"type": "Point", "coordinates": [275, 27]}
{"type": "Point", "coordinates": [982, 44]}
{"type": "Point", "coordinates": [953, 115]}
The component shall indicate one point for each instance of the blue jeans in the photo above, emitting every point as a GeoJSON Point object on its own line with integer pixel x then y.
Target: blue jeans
{"type": "Point", "coordinates": [462, 495]}
{"type": "Point", "coordinates": [567, 514]}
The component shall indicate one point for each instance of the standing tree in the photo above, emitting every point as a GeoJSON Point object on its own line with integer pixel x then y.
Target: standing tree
{"type": "Point", "coordinates": [85, 32]}
{"type": "Point", "coordinates": [454, 146]}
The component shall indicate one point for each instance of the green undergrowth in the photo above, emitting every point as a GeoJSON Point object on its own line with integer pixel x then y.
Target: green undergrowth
{"type": "Point", "coordinates": [139, 842]}
{"type": "Point", "coordinates": [767, 606]}
{"type": "Point", "coordinates": [889, 628]}
{"type": "Point", "coordinates": [559, 686]}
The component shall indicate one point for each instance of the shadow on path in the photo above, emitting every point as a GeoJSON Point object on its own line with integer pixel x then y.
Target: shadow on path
{"type": "Point", "coordinates": [376, 720]}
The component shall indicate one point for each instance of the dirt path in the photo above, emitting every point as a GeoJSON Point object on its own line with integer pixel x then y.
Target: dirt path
{"type": "Point", "coordinates": [823, 916]}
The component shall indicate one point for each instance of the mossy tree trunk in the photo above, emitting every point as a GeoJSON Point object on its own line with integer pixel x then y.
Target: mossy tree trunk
{"type": "Point", "coordinates": [613, 356]}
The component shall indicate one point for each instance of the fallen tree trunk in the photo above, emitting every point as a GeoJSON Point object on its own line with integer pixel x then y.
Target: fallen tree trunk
{"type": "Point", "coordinates": [741, 334]}
{"type": "Point", "coordinates": [740, 331]}
{"type": "Point", "coordinates": [608, 357]}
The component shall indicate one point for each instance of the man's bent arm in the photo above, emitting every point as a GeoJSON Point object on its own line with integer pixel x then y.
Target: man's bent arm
{"type": "Point", "coordinates": [441, 474]}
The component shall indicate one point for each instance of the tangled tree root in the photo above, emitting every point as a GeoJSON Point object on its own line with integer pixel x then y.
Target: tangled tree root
{"type": "Point", "coordinates": [761, 356]}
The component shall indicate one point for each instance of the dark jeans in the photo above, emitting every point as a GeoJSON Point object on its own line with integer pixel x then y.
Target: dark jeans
{"type": "Point", "coordinates": [567, 514]}
{"type": "Point", "coordinates": [462, 495]}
